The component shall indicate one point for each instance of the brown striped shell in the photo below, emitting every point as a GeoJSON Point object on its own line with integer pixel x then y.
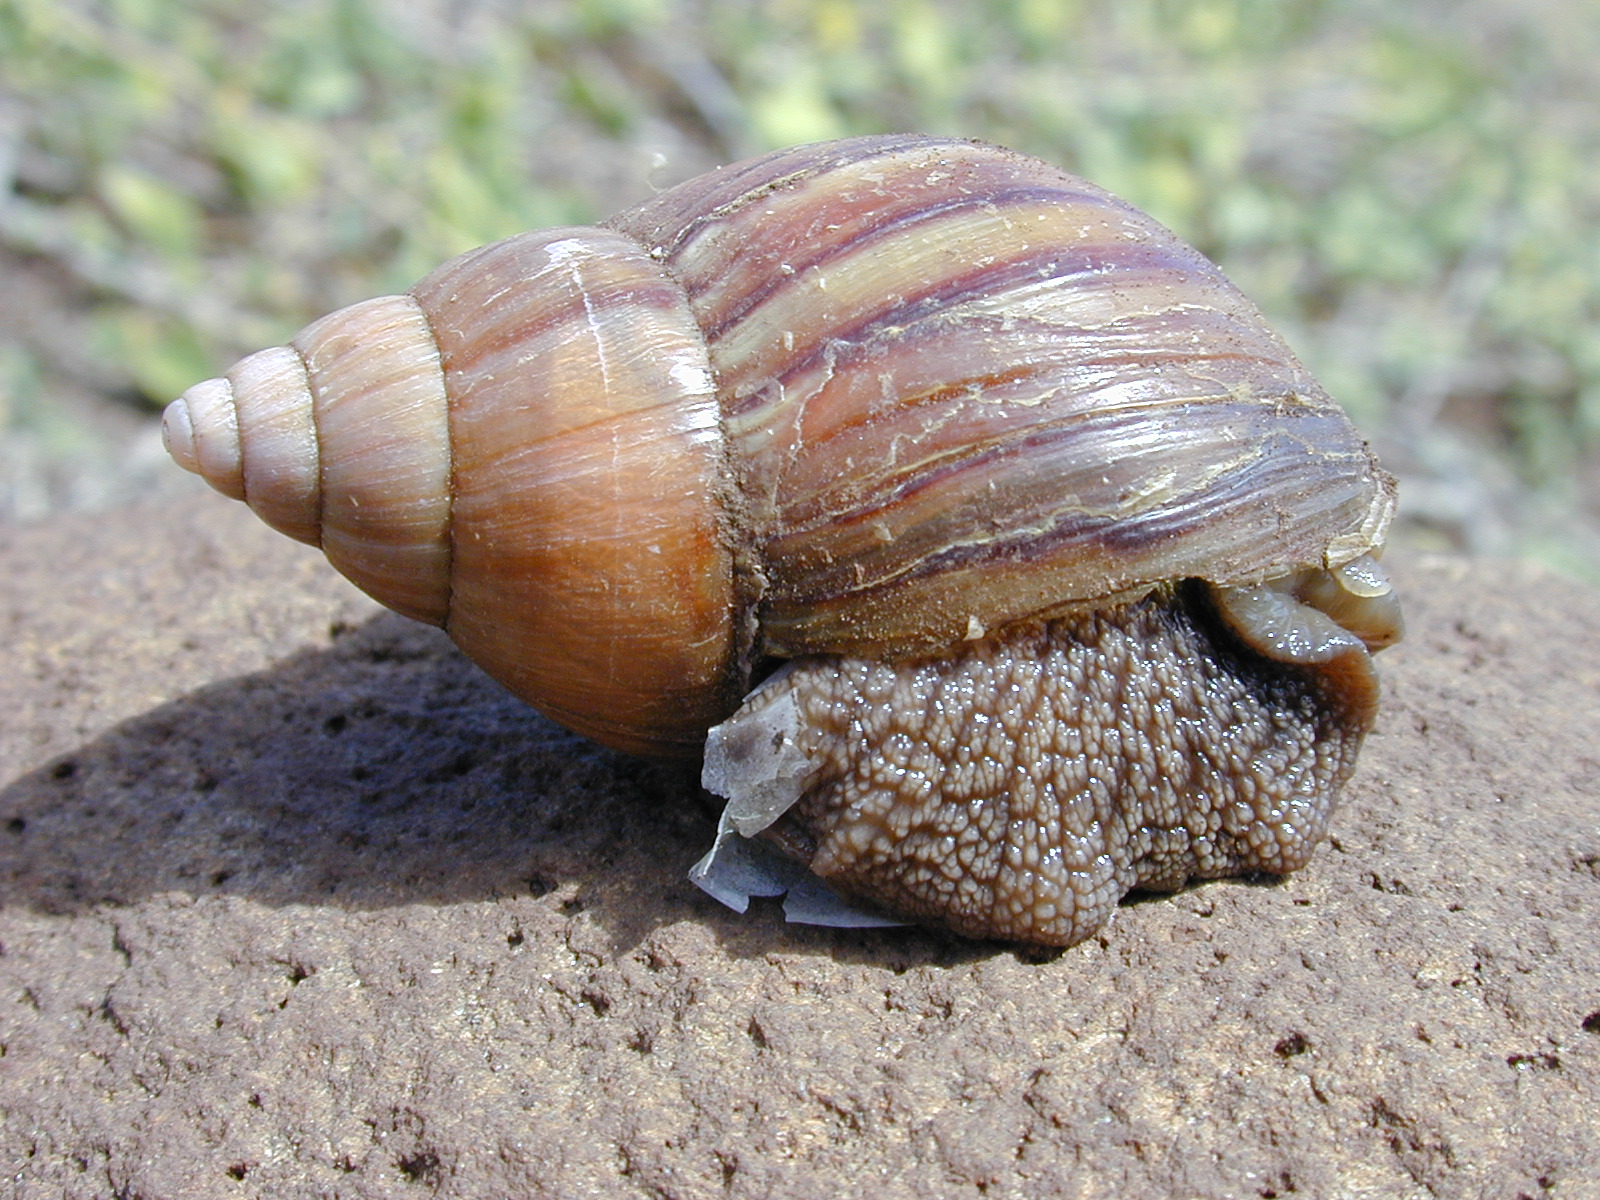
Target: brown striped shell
{"type": "Point", "coordinates": [880, 396]}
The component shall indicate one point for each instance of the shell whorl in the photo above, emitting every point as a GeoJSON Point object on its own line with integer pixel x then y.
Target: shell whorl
{"type": "Point", "coordinates": [523, 449]}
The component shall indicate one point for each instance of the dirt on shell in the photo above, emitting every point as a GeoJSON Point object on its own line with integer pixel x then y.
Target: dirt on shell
{"type": "Point", "coordinates": [295, 903]}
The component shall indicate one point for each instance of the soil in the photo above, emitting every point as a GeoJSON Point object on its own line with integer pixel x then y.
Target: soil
{"type": "Point", "coordinates": [295, 903]}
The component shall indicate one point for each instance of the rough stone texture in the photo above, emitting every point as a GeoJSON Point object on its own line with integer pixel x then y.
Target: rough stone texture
{"type": "Point", "coordinates": [293, 903]}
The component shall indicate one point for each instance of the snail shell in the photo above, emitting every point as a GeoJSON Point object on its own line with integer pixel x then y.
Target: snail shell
{"type": "Point", "coordinates": [888, 403]}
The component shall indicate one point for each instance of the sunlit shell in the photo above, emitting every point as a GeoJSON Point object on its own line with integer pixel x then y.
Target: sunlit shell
{"type": "Point", "coordinates": [880, 396]}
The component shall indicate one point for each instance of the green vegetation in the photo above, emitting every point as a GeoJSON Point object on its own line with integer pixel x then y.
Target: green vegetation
{"type": "Point", "coordinates": [1408, 190]}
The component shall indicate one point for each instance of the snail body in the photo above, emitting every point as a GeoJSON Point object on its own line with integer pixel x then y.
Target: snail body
{"type": "Point", "coordinates": [894, 409]}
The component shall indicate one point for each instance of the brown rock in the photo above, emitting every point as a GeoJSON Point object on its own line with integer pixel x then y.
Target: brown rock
{"type": "Point", "coordinates": [294, 903]}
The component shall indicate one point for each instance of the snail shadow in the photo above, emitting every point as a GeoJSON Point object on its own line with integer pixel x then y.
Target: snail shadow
{"type": "Point", "coordinates": [384, 771]}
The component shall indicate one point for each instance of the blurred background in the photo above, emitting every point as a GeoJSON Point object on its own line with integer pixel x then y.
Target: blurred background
{"type": "Point", "coordinates": [1408, 188]}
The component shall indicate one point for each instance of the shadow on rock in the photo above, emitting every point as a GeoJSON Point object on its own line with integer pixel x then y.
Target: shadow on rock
{"type": "Point", "coordinates": [384, 771]}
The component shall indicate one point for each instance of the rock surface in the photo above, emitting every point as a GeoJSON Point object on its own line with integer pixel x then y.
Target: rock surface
{"type": "Point", "coordinates": [294, 903]}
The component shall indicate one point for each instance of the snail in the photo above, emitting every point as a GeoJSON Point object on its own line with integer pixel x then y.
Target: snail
{"type": "Point", "coordinates": [991, 550]}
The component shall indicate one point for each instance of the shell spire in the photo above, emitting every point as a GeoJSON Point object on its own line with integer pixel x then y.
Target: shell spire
{"type": "Point", "coordinates": [525, 449]}
{"type": "Point", "coordinates": [367, 380]}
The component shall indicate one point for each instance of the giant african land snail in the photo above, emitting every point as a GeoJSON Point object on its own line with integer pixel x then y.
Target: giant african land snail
{"type": "Point", "coordinates": [1075, 561]}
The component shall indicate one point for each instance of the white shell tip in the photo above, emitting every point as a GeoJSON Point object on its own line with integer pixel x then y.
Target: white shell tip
{"type": "Point", "coordinates": [177, 435]}
{"type": "Point", "coordinates": [201, 430]}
